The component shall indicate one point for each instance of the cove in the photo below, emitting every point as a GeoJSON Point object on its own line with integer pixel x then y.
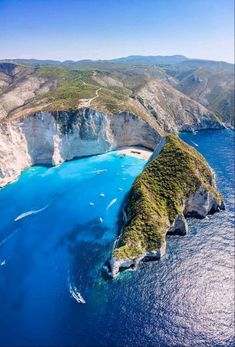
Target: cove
{"type": "Point", "coordinates": [57, 229]}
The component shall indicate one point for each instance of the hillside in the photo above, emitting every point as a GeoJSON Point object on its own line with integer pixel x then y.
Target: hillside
{"type": "Point", "coordinates": [209, 83]}
{"type": "Point", "coordinates": [174, 97]}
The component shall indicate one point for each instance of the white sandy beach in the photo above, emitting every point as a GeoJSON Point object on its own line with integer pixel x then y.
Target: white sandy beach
{"type": "Point", "coordinates": [135, 151]}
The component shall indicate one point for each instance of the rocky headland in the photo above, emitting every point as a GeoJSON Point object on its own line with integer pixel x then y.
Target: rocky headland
{"type": "Point", "coordinates": [177, 183]}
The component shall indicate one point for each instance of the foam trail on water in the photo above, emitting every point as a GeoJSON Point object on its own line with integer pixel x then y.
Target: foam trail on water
{"type": "Point", "coordinates": [98, 172]}
{"type": "Point", "coordinates": [29, 213]}
{"type": "Point", "coordinates": [8, 237]}
{"type": "Point", "coordinates": [111, 203]}
{"type": "Point", "coordinates": [195, 144]}
{"type": "Point", "coordinates": [75, 294]}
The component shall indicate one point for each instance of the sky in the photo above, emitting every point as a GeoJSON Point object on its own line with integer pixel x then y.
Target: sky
{"type": "Point", "coordinates": [105, 29]}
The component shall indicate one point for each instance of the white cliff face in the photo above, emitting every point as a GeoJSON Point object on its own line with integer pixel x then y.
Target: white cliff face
{"type": "Point", "coordinates": [115, 266]}
{"type": "Point", "coordinates": [52, 138]}
{"type": "Point", "coordinates": [14, 156]}
{"type": "Point", "coordinates": [201, 203]}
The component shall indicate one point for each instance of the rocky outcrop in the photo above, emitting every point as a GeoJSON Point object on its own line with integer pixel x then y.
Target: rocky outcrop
{"type": "Point", "coordinates": [54, 137]}
{"type": "Point", "coordinates": [177, 183]}
{"type": "Point", "coordinates": [179, 226]}
{"type": "Point", "coordinates": [202, 203]}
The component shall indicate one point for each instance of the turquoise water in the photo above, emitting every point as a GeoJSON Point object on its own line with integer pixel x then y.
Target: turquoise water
{"type": "Point", "coordinates": [186, 299]}
{"type": "Point", "coordinates": [61, 249]}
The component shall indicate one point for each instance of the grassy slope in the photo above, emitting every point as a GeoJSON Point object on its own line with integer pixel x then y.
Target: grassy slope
{"type": "Point", "coordinates": [72, 85]}
{"type": "Point", "coordinates": [75, 86]}
{"type": "Point", "coordinates": [157, 196]}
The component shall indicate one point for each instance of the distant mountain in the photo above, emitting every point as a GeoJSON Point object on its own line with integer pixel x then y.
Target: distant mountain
{"type": "Point", "coordinates": [205, 64]}
{"type": "Point", "coordinates": [145, 60]}
{"type": "Point", "coordinates": [32, 61]}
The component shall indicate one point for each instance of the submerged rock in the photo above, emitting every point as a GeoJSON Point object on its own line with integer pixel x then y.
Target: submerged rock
{"type": "Point", "coordinates": [176, 183]}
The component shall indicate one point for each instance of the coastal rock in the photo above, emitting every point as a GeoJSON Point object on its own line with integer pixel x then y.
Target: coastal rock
{"type": "Point", "coordinates": [54, 137]}
{"type": "Point", "coordinates": [118, 265]}
{"type": "Point", "coordinates": [202, 203]}
{"type": "Point", "coordinates": [179, 226]}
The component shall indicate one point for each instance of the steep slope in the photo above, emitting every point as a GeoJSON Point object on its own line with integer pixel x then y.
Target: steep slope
{"type": "Point", "coordinates": [173, 110]}
{"type": "Point", "coordinates": [19, 87]}
{"type": "Point", "coordinates": [177, 183]}
{"type": "Point", "coordinates": [210, 83]}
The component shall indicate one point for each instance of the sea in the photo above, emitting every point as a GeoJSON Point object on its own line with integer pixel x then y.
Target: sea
{"type": "Point", "coordinates": [57, 229]}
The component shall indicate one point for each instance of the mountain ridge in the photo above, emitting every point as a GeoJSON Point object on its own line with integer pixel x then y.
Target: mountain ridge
{"type": "Point", "coordinates": [169, 59]}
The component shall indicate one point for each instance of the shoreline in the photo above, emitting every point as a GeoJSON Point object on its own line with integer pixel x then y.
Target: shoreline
{"type": "Point", "coordinates": [135, 151]}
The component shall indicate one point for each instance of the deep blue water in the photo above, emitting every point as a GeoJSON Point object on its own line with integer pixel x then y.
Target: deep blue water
{"type": "Point", "coordinates": [186, 299]}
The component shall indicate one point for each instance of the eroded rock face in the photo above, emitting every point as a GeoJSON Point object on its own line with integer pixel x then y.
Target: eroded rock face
{"type": "Point", "coordinates": [53, 137]}
{"type": "Point", "coordinates": [115, 266]}
{"type": "Point", "coordinates": [179, 226]}
{"type": "Point", "coordinates": [202, 203]}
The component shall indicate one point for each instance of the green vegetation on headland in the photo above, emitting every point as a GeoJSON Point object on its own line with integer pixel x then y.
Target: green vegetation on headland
{"type": "Point", "coordinates": [158, 194]}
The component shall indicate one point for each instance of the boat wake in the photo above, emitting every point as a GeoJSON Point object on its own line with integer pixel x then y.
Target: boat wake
{"type": "Point", "coordinates": [8, 237]}
{"type": "Point", "coordinates": [195, 144]}
{"type": "Point", "coordinates": [111, 204]}
{"type": "Point", "coordinates": [29, 213]}
{"type": "Point", "coordinates": [75, 294]}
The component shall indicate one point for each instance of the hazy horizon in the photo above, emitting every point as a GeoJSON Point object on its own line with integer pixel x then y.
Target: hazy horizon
{"type": "Point", "coordinates": [106, 59]}
{"type": "Point", "coordinates": [103, 29]}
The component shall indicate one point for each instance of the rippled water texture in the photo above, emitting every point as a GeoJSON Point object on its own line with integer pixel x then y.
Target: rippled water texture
{"type": "Point", "coordinates": [58, 249]}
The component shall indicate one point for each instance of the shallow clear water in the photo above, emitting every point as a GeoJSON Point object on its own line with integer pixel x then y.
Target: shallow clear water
{"type": "Point", "coordinates": [184, 299]}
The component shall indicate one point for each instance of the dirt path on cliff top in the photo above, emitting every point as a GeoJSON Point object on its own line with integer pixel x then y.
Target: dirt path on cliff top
{"type": "Point", "coordinates": [87, 102]}
{"type": "Point", "coordinates": [95, 97]}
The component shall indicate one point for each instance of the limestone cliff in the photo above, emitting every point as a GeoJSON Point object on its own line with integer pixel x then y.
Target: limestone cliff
{"type": "Point", "coordinates": [176, 183]}
{"type": "Point", "coordinates": [54, 137]}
